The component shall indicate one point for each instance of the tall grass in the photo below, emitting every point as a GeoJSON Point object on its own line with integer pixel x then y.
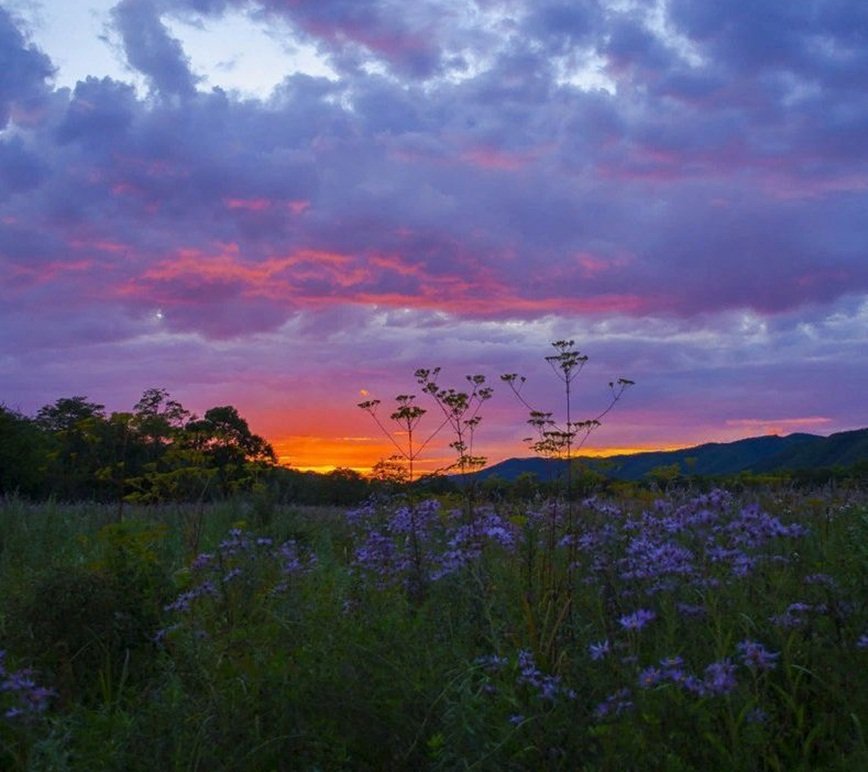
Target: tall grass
{"type": "Point", "coordinates": [699, 632]}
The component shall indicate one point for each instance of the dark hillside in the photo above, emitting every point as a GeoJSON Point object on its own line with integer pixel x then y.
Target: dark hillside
{"type": "Point", "coordinates": [755, 454]}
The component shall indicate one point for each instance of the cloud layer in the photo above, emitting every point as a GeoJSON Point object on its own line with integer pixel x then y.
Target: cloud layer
{"type": "Point", "coordinates": [681, 184]}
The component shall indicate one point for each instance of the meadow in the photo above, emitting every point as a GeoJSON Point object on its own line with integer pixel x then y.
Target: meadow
{"type": "Point", "coordinates": [700, 629]}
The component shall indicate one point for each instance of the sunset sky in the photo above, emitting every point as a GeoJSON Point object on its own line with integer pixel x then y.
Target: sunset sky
{"type": "Point", "coordinates": [290, 205]}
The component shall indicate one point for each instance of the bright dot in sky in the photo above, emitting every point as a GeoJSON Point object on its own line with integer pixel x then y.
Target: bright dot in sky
{"type": "Point", "coordinates": [158, 315]}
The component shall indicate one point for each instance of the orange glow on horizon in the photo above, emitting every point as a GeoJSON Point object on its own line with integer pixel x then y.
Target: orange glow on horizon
{"type": "Point", "coordinates": [630, 450]}
{"type": "Point", "coordinates": [322, 439]}
{"type": "Point", "coordinates": [310, 453]}
{"type": "Point", "coordinates": [325, 454]}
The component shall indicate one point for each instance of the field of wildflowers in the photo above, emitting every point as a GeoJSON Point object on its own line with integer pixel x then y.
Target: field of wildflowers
{"type": "Point", "coordinates": [700, 630]}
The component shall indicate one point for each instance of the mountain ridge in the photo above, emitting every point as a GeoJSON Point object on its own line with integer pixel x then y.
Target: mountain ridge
{"type": "Point", "coordinates": [762, 454]}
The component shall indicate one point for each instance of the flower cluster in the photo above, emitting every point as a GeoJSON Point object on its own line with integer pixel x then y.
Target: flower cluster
{"type": "Point", "coordinates": [24, 698]}
{"type": "Point", "coordinates": [701, 543]}
{"type": "Point", "coordinates": [548, 687]}
{"type": "Point", "coordinates": [466, 541]}
{"type": "Point", "coordinates": [398, 546]}
{"type": "Point", "coordinates": [718, 678]}
{"type": "Point", "coordinates": [242, 564]}
{"type": "Point", "coordinates": [756, 656]}
{"type": "Point", "coordinates": [614, 705]}
{"type": "Point", "coordinates": [637, 620]}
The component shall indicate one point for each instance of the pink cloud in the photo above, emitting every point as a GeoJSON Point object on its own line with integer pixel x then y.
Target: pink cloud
{"type": "Point", "coordinates": [779, 425]}
{"type": "Point", "coordinates": [248, 204]}
{"type": "Point", "coordinates": [593, 265]}
{"type": "Point", "coordinates": [494, 159]}
{"type": "Point", "coordinates": [49, 272]}
{"type": "Point", "coordinates": [261, 204]}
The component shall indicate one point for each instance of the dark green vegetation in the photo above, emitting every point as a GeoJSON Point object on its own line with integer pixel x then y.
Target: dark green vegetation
{"type": "Point", "coordinates": [199, 616]}
{"type": "Point", "coordinates": [691, 631]}
{"type": "Point", "coordinates": [159, 452]}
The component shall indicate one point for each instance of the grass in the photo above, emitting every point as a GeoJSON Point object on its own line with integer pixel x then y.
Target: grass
{"type": "Point", "coordinates": [699, 631]}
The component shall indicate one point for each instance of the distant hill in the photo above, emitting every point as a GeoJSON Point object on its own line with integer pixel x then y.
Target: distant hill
{"type": "Point", "coordinates": [756, 454]}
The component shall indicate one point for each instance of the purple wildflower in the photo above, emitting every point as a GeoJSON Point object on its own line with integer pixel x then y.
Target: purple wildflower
{"type": "Point", "coordinates": [690, 610]}
{"type": "Point", "coordinates": [637, 620]}
{"type": "Point", "coordinates": [694, 685]}
{"type": "Point", "coordinates": [161, 635]}
{"type": "Point", "coordinates": [491, 662]}
{"type": "Point", "coordinates": [29, 697]}
{"type": "Point", "coordinates": [756, 716]}
{"type": "Point", "coordinates": [720, 677]}
{"type": "Point", "coordinates": [650, 676]}
{"type": "Point", "coordinates": [232, 573]}
{"type": "Point", "coordinates": [548, 686]}
{"type": "Point", "coordinates": [183, 602]}
{"type": "Point", "coordinates": [796, 615]}
{"type": "Point", "coordinates": [756, 656]}
{"type": "Point", "coordinates": [648, 558]}
{"type": "Point", "coordinates": [614, 705]}
{"type": "Point", "coordinates": [672, 669]}
{"type": "Point", "coordinates": [202, 561]}
{"type": "Point", "coordinates": [599, 650]}
{"type": "Point", "coordinates": [236, 542]}
{"type": "Point", "coordinates": [823, 580]}
{"type": "Point", "coordinates": [290, 559]}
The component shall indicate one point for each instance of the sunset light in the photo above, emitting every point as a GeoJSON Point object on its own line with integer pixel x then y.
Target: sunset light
{"type": "Point", "coordinates": [433, 385]}
{"type": "Point", "coordinates": [282, 206]}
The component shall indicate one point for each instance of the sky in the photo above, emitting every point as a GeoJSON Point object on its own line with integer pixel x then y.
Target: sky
{"type": "Point", "coordinates": [289, 206]}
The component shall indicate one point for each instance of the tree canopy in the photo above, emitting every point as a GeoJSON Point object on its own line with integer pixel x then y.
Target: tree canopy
{"type": "Point", "coordinates": [73, 450]}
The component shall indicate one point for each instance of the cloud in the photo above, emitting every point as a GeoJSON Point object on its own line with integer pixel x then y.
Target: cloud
{"type": "Point", "coordinates": [404, 36]}
{"type": "Point", "coordinates": [490, 185]}
{"type": "Point", "coordinates": [476, 178]}
{"type": "Point", "coordinates": [100, 113]}
{"type": "Point", "coordinates": [151, 50]}
{"type": "Point", "coordinates": [24, 71]}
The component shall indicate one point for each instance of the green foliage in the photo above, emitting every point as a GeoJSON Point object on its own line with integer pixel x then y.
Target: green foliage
{"type": "Point", "coordinates": [608, 628]}
{"type": "Point", "coordinates": [77, 627]}
{"type": "Point", "coordinates": [325, 666]}
{"type": "Point", "coordinates": [23, 450]}
{"type": "Point", "coordinates": [73, 451]}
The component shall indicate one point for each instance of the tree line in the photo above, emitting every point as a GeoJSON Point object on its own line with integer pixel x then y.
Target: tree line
{"type": "Point", "coordinates": [73, 450]}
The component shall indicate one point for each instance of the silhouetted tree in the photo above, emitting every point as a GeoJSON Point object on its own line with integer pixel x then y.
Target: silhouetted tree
{"type": "Point", "coordinates": [23, 450]}
{"type": "Point", "coordinates": [229, 447]}
{"type": "Point", "coordinates": [74, 427]}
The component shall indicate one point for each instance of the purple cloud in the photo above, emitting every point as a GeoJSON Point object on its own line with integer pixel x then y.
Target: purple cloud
{"type": "Point", "coordinates": [151, 50]}
{"type": "Point", "coordinates": [23, 72]}
{"type": "Point", "coordinates": [498, 171]}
